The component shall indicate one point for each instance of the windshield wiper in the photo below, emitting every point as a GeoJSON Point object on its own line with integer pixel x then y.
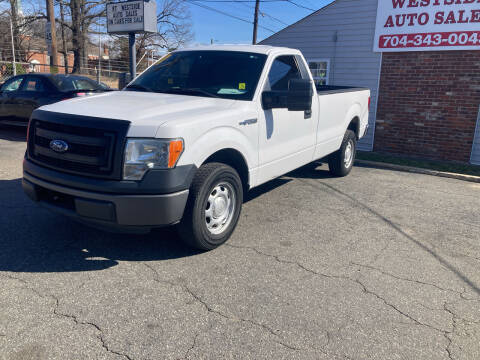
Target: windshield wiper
{"type": "Point", "coordinates": [191, 91]}
{"type": "Point", "coordinates": [139, 87]}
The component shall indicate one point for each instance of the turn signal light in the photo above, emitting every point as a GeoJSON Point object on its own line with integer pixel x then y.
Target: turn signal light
{"type": "Point", "coordinates": [175, 150]}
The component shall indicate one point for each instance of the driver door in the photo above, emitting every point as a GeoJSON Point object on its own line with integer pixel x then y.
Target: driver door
{"type": "Point", "coordinates": [287, 138]}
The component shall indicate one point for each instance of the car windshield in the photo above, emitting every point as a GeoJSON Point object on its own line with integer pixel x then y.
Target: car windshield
{"type": "Point", "coordinates": [75, 83]}
{"type": "Point", "coordinates": [222, 74]}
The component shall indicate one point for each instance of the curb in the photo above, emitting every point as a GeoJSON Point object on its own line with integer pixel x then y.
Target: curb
{"type": "Point", "coordinates": [410, 169]}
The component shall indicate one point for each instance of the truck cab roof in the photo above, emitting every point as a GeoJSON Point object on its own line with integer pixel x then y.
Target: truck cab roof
{"type": "Point", "coordinates": [260, 49]}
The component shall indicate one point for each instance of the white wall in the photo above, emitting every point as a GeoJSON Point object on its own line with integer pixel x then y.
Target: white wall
{"type": "Point", "coordinates": [352, 60]}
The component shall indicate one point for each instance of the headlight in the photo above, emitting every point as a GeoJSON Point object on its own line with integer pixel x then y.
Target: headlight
{"type": "Point", "coordinates": [142, 155]}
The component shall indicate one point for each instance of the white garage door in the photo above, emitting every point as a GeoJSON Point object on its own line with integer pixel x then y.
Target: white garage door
{"type": "Point", "coordinates": [475, 159]}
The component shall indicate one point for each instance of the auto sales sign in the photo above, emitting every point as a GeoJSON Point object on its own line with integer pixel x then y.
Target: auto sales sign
{"type": "Point", "coordinates": [132, 16]}
{"type": "Point", "coordinates": [422, 25]}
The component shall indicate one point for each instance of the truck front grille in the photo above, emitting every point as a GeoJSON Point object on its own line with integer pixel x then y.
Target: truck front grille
{"type": "Point", "coordinates": [92, 151]}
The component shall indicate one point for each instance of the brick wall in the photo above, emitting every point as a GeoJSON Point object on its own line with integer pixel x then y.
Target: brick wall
{"type": "Point", "coordinates": [428, 104]}
{"type": "Point", "coordinates": [44, 60]}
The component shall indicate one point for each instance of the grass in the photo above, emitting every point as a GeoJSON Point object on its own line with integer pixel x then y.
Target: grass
{"type": "Point", "coordinates": [445, 166]}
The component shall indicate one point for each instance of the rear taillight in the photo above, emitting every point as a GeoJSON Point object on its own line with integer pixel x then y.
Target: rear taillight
{"type": "Point", "coordinates": [369, 101]}
{"type": "Point", "coordinates": [80, 94]}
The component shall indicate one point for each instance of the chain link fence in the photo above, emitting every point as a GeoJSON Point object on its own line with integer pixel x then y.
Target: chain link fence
{"type": "Point", "coordinates": [111, 78]}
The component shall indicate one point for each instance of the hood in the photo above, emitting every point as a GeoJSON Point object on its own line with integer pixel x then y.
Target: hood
{"type": "Point", "coordinates": [145, 111]}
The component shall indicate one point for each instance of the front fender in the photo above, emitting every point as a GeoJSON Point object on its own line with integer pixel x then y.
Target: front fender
{"type": "Point", "coordinates": [224, 137]}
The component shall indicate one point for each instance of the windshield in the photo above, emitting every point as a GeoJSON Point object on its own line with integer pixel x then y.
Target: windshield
{"type": "Point", "coordinates": [75, 83]}
{"type": "Point", "coordinates": [223, 74]}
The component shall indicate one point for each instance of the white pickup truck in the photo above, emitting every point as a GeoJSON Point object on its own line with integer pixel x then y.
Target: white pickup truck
{"type": "Point", "coordinates": [185, 140]}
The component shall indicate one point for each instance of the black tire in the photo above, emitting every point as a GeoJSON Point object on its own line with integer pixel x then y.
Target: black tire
{"type": "Point", "coordinates": [336, 161]}
{"type": "Point", "coordinates": [193, 227]}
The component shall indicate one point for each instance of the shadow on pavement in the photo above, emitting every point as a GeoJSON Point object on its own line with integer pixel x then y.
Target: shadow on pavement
{"type": "Point", "coordinates": [33, 239]}
{"type": "Point", "coordinates": [311, 171]}
{"type": "Point", "coordinates": [13, 133]}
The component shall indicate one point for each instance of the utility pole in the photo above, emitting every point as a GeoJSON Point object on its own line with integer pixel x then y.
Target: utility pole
{"type": "Point", "coordinates": [64, 41]}
{"type": "Point", "coordinates": [51, 21]}
{"type": "Point", "coordinates": [255, 22]}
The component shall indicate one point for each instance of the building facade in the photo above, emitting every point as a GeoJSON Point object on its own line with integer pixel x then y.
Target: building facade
{"type": "Point", "coordinates": [424, 103]}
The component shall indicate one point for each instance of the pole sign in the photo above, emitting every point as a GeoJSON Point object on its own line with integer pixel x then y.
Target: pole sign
{"type": "Point", "coordinates": [132, 17]}
{"type": "Point", "coordinates": [48, 37]}
{"type": "Point", "coordinates": [423, 25]}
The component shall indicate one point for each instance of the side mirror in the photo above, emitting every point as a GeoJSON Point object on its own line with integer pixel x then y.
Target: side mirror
{"type": "Point", "coordinates": [274, 100]}
{"type": "Point", "coordinates": [300, 95]}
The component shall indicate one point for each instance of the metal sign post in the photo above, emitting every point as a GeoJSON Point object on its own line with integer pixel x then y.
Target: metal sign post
{"type": "Point", "coordinates": [132, 54]}
{"type": "Point", "coordinates": [132, 17]}
{"type": "Point", "coordinates": [48, 38]}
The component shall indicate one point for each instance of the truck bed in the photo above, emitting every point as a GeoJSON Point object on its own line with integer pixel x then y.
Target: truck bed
{"type": "Point", "coordinates": [332, 89]}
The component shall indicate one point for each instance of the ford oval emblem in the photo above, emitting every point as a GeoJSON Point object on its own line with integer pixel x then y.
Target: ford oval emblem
{"type": "Point", "coordinates": [59, 146]}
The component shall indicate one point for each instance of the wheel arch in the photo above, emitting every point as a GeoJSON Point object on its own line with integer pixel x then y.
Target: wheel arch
{"type": "Point", "coordinates": [352, 119]}
{"type": "Point", "coordinates": [354, 125]}
{"type": "Point", "coordinates": [235, 159]}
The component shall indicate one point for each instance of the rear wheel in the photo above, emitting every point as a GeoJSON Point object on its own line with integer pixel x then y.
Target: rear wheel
{"type": "Point", "coordinates": [341, 162]}
{"type": "Point", "coordinates": [213, 207]}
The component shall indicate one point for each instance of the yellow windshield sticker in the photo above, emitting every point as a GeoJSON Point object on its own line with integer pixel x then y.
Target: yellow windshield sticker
{"type": "Point", "coordinates": [242, 86]}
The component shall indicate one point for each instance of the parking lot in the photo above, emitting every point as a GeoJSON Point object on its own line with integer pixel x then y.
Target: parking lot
{"type": "Point", "coordinates": [377, 265]}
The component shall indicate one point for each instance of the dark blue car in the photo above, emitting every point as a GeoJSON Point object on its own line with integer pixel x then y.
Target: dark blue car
{"type": "Point", "coordinates": [22, 94]}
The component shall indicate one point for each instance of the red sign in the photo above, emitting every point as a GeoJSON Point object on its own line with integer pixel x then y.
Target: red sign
{"type": "Point", "coordinates": [422, 25]}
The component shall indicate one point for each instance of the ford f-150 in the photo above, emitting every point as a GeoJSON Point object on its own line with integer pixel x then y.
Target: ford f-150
{"type": "Point", "coordinates": [186, 139]}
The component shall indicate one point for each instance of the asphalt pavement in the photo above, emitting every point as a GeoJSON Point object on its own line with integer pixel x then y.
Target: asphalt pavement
{"type": "Point", "coordinates": [378, 265]}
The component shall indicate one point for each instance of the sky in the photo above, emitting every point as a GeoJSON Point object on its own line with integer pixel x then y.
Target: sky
{"type": "Point", "coordinates": [277, 14]}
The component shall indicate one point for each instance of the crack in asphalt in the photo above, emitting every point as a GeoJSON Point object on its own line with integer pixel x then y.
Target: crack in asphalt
{"type": "Point", "coordinates": [69, 316]}
{"type": "Point", "coordinates": [78, 322]}
{"type": "Point", "coordinates": [283, 261]}
{"type": "Point", "coordinates": [207, 307]}
{"type": "Point", "coordinates": [360, 284]}
{"type": "Point", "coordinates": [193, 345]}
{"type": "Point", "coordinates": [448, 335]}
{"type": "Point", "coordinates": [404, 279]}
{"type": "Point", "coordinates": [443, 262]}
{"type": "Point", "coordinates": [417, 322]}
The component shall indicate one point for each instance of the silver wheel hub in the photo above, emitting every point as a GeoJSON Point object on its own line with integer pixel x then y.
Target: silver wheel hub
{"type": "Point", "coordinates": [220, 208]}
{"type": "Point", "coordinates": [349, 152]}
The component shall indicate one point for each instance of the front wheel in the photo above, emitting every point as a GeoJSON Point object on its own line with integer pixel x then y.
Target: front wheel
{"type": "Point", "coordinates": [340, 163]}
{"type": "Point", "coordinates": [213, 208]}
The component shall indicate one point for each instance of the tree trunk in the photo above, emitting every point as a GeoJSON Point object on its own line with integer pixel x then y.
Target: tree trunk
{"type": "Point", "coordinates": [15, 29]}
{"type": "Point", "coordinates": [78, 42]}
{"type": "Point", "coordinates": [78, 36]}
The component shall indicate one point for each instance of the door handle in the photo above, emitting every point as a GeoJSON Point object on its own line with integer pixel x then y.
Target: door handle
{"type": "Point", "coordinates": [308, 114]}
